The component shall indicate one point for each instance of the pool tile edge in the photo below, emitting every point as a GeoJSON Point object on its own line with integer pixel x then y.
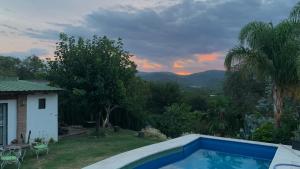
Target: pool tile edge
{"type": "Point", "coordinates": [124, 159]}
{"type": "Point", "coordinates": [284, 153]}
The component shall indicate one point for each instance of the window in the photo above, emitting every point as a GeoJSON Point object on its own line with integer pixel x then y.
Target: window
{"type": "Point", "coordinates": [42, 103]}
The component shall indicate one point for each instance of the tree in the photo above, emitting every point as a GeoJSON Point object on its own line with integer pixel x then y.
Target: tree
{"type": "Point", "coordinates": [197, 99]}
{"type": "Point", "coordinates": [32, 68]}
{"type": "Point", "coordinates": [163, 95]}
{"type": "Point", "coordinates": [178, 119]}
{"type": "Point", "coordinates": [269, 51]}
{"type": "Point", "coordinates": [8, 66]}
{"type": "Point", "coordinates": [132, 113]}
{"type": "Point", "coordinates": [244, 91]}
{"type": "Point", "coordinates": [97, 71]}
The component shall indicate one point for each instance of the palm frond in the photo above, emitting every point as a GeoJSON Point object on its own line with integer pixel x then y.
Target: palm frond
{"type": "Point", "coordinates": [287, 29]}
{"type": "Point", "coordinates": [255, 34]}
{"type": "Point", "coordinates": [235, 56]}
{"type": "Point", "coordinates": [248, 60]}
{"type": "Point", "coordinates": [295, 14]}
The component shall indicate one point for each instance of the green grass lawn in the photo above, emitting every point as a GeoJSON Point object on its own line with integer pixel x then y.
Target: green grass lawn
{"type": "Point", "coordinates": [80, 151]}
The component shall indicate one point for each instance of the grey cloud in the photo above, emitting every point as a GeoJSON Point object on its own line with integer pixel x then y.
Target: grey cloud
{"type": "Point", "coordinates": [179, 30]}
{"type": "Point", "coordinates": [9, 27]}
{"type": "Point", "coordinates": [45, 34]}
{"type": "Point", "coordinates": [30, 52]}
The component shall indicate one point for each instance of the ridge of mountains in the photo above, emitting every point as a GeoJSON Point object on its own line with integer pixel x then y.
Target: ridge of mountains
{"type": "Point", "coordinates": [206, 79]}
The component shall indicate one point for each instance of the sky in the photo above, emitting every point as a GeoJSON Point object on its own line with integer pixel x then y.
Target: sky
{"type": "Point", "coordinates": [180, 36]}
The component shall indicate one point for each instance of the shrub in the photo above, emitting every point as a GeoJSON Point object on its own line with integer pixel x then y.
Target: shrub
{"type": "Point", "coordinates": [178, 119]}
{"type": "Point", "coordinates": [264, 133]}
{"type": "Point", "coordinates": [51, 141]}
{"type": "Point", "coordinates": [38, 140]}
{"type": "Point", "coordinates": [153, 133]}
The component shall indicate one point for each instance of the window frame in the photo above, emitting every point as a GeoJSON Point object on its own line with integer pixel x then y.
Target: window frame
{"type": "Point", "coordinates": [42, 103]}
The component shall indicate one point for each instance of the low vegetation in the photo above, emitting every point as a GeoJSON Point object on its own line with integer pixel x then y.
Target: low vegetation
{"type": "Point", "coordinates": [80, 151]}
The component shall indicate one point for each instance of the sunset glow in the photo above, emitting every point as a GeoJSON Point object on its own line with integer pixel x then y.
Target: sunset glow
{"type": "Point", "coordinates": [210, 57]}
{"type": "Point", "coordinates": [183, 73]}
{"type": "Point", "coordinates": [177, 65]}
{"type": "Point", "coordinates": [146, 65]}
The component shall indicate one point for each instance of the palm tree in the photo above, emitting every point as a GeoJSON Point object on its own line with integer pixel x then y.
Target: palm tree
{"type": "Point", "coordinates": [270, 52]}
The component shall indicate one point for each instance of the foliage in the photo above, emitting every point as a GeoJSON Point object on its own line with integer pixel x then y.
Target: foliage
{"type": "Point", "coordinates": [217, 115]}
{"type": "Point", "coordinates": [132, 113]}
{"type": "Point", "coordinates": [297, 133]}
{"type": "Point", "coordinates": [8, 66]}
{"type": "Point", "coordinates": [244, 91]}
{"type": "Point", "coordinates": [264, 133]}
{"type": "Point", "coordinates": [99, 67]}
{"type": "Point", "coordinates": [32, 68]}
{"type": "Point", "coordinates": [38, 140]}
{"type": "Point", "coordinates": [196, 99]}
{"type": "Point", "coordinates": [269, 51]}
{"type": "Point", "coordinates": [268, 133]}
{"type": "Point", "coordinates": [178, 119]}
{"type": "Point", "coordinates": [254, 121]}
{"type": "Point", "coordinates": [163, 95]}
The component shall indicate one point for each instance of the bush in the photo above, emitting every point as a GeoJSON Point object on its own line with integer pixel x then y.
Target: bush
{"type": "Point", "coordinates": [267, 133]}
{"type": "Point", "coordinates": [264, 133]}
{"type": "Point", "coordinates": [153, 133]}
{"type": "Point", "coordinates": [38, 140]}
{"type": "Point", "coordinates": [51, 141]}
{"type": "Point", "coordinates": [179, 119]}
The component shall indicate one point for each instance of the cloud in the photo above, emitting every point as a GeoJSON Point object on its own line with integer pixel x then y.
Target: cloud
{"type": "Point", "coordinates": [23, 54]}
{"type": "Point", "coordinates": [181, 29]}
{"type": "Point", "coordinates": [146, 65]}
{"type": "Point", "coordinates": [198, 62]}
{"type": "Point", "coordinates": [209, 57]}
{"type": "Point", "coordinates": [176, 31]}
{"type": "Point", "coordinates": [182, 63]}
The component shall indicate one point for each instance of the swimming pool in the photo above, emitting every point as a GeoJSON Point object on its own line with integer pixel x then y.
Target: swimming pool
{"type": "Point", "coordinates": [200, 151]}
{"type": "Point", "coordinates": [208, 159]}
{"type": "Point", "coordinates": [207, 153]}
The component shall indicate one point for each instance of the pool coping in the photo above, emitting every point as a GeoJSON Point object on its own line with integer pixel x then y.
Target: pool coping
{"type": "Point", "coordinates": [284, 153]}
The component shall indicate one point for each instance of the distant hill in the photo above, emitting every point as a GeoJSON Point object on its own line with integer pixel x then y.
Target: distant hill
{"type": "Point", "coordinates": [207, 79]}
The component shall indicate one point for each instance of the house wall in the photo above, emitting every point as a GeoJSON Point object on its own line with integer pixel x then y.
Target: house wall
{"type": "Point", "coordinates": [42, 122]}
{"type": "Point", "coordinates": [12, 119]}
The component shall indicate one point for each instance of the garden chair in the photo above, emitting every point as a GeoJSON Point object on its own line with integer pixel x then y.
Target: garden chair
{"type": "Point", "coordinates": [40, 147]}
{"type": "Point", "coordinates": [10, 157]}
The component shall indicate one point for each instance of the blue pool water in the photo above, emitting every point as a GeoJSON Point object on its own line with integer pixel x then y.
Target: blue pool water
{"type": "Point", "coordinates": [208, 159]}
{"type": "Point", "coordinates": [208, 153]}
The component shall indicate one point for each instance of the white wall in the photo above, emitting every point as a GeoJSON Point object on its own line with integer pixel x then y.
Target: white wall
{"type": "Point", "coordinates": [12, 119]}
{"type": "Point", "coordinates": [42, 122]}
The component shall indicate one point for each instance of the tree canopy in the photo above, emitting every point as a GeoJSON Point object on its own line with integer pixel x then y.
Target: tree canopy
{"type": "Point", "coordinates": [97, 71]}
{"type": "Point", "coordinates": [269, 51]}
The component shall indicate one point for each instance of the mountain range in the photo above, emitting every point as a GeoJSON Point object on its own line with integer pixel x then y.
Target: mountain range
{"type": "Point", "coordinates": [207, 79]}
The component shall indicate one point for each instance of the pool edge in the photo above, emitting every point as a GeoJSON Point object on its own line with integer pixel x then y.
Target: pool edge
{"type": "Point", "coordinates": [129, 159]}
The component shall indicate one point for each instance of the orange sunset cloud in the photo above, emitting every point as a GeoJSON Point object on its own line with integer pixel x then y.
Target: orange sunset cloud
{"type": "Point", "coordinates": [181, 63]}
{"type": "Point", "coordinates": [209, 57]}
{"type": "Point", "coordinates": [183, 73]}
{"type": "Point", "coordinates": [146, 65]}
{"type": "Point", "coordinates": [177, 65]}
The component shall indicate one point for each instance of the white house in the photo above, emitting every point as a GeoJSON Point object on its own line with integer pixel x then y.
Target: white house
{"type": "Point", "coordinates": [27, 107]}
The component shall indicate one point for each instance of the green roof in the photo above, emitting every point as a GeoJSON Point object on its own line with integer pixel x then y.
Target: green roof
{"type": "Point", "coordinates": [14, 85]}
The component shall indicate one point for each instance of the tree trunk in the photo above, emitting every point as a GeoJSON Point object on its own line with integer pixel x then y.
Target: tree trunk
{"type": "Point", "coordinates": [108, 110]}
{"type": "Point", "coordinates": [277, 104]}
{"type": "Point", "coordinates": [98, 121]}
{"type": "Point", "coordinates": [106, 121]}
